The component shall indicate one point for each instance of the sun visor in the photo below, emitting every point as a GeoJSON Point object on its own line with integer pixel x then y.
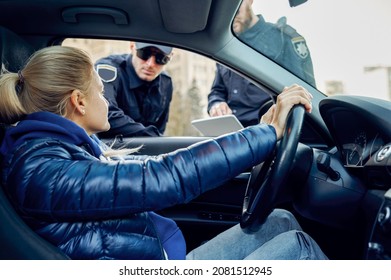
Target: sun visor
{"type": "Point", "coordinates": [184, 16]}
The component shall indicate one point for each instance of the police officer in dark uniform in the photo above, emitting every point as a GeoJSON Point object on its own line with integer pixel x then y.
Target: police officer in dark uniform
{"type": "Point", "coordinates": [232, 94]}
{"type": "Point", "coordinates": [139, 92]}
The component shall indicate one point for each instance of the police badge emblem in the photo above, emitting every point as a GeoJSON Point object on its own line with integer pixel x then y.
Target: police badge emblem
{"type": "Point", "coordinates": [106, 72]}
{"type": "Point", "coordinates": [300, 47]}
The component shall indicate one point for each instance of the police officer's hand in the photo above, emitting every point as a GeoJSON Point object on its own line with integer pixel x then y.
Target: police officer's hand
{"type": "Point", "coordinates": [278, 113]}
{"type": "Point", "coordinates": [220, 109]}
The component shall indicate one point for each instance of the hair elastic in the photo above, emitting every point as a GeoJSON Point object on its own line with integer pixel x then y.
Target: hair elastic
{"type": "Point", "coordinates": [20, 83]}
{"type": "Point", "coordinates": [21, 78]}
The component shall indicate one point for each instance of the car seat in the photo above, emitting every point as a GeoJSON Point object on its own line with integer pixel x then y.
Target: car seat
{"type": "Point", "coordinates": [17, 240]}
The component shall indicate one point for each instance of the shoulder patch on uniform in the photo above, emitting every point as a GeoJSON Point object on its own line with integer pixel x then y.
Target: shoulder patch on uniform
{"type": "Point", "coordinates": [300, 47]}
{"type": "Point", "coordinates": [106, 72]}
{"type": "Point", "coordinates": [281, 22]}
{"type": "Point", "coordinates": [286, 28]}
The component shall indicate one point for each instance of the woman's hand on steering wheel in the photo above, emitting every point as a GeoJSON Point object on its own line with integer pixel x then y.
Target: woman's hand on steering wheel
{"type": "Point", "coordinates": [278, 113]}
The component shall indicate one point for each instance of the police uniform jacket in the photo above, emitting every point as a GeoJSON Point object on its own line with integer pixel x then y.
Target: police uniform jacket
{"type": "Point", "coordinates": [136, 107]}
{"type": "Point", "coordinates": [243, 97]}
{"type": "Point", "coordinates": [281, 43]}
{"type": "Point", "coordinates": [98, 209]}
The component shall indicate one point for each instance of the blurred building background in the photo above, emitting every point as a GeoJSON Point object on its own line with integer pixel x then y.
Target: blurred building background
{"type": "Point", "coordinates": [384, 72]}
{"type": "Point", "coordinates": [192, 77]}
{"type": "Point", "coordinates": [334, 87]}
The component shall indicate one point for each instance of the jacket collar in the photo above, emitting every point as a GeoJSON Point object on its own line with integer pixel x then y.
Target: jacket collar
{"type": "Point", "coordinates": [48, 125]}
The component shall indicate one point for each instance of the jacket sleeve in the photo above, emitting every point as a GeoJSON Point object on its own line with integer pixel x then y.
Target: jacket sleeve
{"type": "Point", "coordinates": [51, 184]}
{"type": "Point", "coordinates": [166, 91]}
{"type": "Point", "coordinates": [219, 92]}
{"type": "Point", "coordinates": [162, 122]}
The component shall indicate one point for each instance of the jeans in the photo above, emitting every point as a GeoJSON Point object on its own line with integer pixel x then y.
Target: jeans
{"type": "Point", "coordinates": [279, 238]}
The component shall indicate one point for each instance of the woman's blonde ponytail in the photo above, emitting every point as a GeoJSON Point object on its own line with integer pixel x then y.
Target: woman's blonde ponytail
{"type": "Point", "coordinates": [11, 109]}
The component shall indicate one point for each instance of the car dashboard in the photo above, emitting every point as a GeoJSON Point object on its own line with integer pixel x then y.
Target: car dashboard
{"type": "Point", "coordinates": [361, 129]}
{"type": "Point", "coordinates": [360, 141]}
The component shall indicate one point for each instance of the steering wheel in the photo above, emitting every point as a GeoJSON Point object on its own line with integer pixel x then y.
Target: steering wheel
{"type": "Point", "coordinates": [268, 178]}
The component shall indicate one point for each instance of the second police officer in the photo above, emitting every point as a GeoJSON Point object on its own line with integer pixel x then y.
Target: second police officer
{"type": "Point", "coordinates": [232, 94]}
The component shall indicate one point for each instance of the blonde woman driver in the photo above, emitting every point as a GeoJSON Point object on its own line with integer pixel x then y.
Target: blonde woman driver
{"type": "Point", "coordinates": [61, 182]}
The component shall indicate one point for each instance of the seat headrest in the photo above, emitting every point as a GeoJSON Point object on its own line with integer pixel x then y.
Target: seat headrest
{"type": "Point", "coordinates": [14, 50]}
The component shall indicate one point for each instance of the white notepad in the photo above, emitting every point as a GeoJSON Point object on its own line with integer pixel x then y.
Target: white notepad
{"type": "Point", "coordinates": [216, 126]}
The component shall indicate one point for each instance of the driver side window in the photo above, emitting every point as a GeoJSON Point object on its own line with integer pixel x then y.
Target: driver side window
{"type": "Point", "coordinates": [192, 76]}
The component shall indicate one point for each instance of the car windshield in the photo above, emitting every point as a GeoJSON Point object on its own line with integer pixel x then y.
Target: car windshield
{"type": "Point", "coordinates": [346, 44]}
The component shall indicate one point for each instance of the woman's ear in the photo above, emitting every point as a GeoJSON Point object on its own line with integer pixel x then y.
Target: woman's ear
{"type": "Point", "coordinates": [78, 102]}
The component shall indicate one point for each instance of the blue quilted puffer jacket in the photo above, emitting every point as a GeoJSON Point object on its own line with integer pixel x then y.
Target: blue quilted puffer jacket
{"type": "Point", "coordinates": [93, 208]}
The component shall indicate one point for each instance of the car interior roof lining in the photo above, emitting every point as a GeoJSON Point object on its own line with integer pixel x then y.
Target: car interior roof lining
{"type": "Point", "coordinates": [184, 16]}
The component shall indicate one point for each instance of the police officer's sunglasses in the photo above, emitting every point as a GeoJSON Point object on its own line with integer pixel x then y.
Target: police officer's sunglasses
{"type": "Point", "coordinates": [146, 53]}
